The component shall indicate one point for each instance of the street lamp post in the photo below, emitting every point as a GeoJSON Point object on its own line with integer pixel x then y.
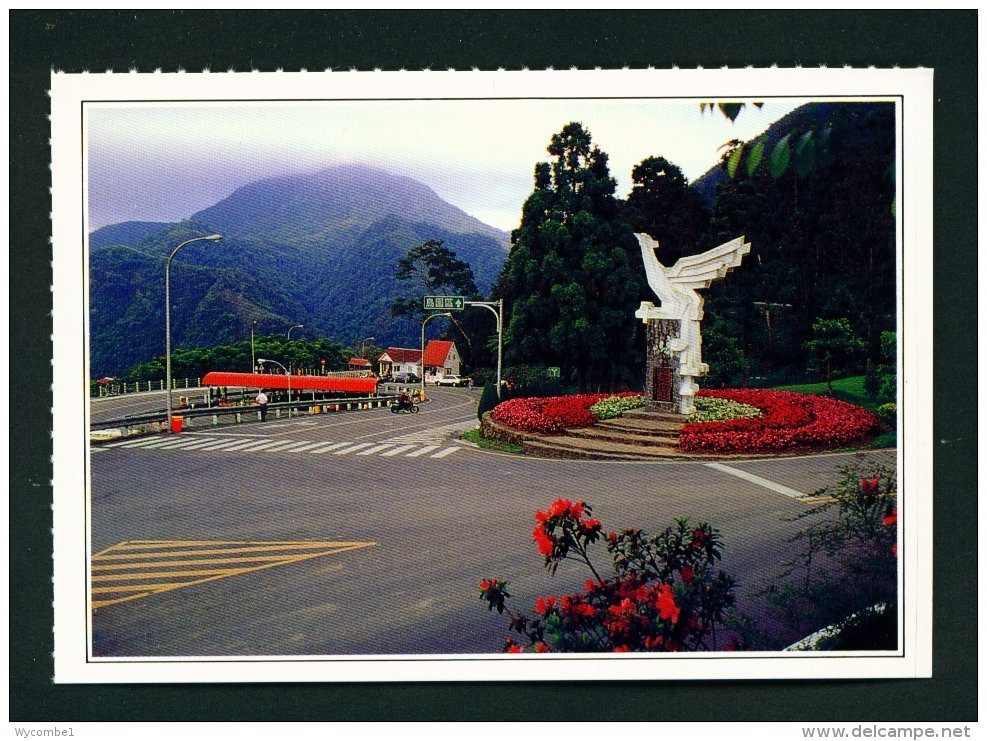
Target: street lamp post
{"type": "Point", "coordinates": [499, 313]}
{"type": "Point", "coordinates": [427, 320]}
{"type": "Point", "coordinates": [363, 345]}
{"type": "Point", "coordinates": [296, 326]}
{"type": "Point", "coordinates": [253, 360]}
{"type": "Point", "coordinates": [261, 361]}
{"type": "Point", "coordinates": [211, 238]}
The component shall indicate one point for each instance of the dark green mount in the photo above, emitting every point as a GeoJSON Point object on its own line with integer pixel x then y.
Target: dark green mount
{"type": "Point", "coordinates": [319, 250]}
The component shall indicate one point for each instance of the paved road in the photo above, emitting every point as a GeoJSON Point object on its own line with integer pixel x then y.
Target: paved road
{"type": "Point", "coordinates": [117, 407]}
{"type": "Point", "coordinates": [367, 532]}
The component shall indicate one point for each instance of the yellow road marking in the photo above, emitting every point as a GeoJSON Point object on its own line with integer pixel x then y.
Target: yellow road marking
{"type": "Point", "coordinates": [200, 576]}
{"type": "Point", "coordinates": [184, 562]}
{"type": "Point", "coordinates": [249, 549]}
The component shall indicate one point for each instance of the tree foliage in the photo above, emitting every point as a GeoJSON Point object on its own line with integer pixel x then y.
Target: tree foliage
{"type": "Point", "coordinates": [196, 362]}
{"type": "Point", "coordinates": [833, 348]}
{"type": "Point", "coordinates": [573, 273]}
{"type": "Point", "coordinates": [662, 205]}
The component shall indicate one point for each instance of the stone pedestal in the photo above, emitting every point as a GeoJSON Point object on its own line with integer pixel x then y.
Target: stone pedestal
{"type": "Point", "coordinates": [662, 382]}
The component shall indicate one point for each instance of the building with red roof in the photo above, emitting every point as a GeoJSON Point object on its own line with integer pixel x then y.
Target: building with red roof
{"type": "Point", "coordinates": [358, 364]}
{"type": "Point", "coordinates": [400, 360]}
{"type": "Point", "coordinates": [441, 358]}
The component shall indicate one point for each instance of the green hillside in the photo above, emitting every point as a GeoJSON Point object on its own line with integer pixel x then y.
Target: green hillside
{"type": "Point", "coordinates": [318, 250]}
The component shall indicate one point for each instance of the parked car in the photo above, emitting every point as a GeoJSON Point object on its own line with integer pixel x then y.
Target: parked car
{"type": "Point", "coordinates": [406, 378]}
{"type": "Point", "coordinates": [450, 380]}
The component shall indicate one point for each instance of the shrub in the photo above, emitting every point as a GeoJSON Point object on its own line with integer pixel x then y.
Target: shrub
{"type": "Point", "coordinates": [888, 414]}
{"type": "Point", "coordinates": [788, 421]}
{"type": "Point", "coordinates": [712, 409]}
{"type": "Point", "coordinates": [488, 399]}
{"type": "Point", "coordinates": [848, 564]}
{"type": "Point", "coordinates": [664, 595]}
{"type": "Point", "coordinates": [614, 406]}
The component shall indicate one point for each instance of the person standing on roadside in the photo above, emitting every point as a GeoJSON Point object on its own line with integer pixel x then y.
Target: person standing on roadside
{"type": "Point", "coordinates": [262, 403]}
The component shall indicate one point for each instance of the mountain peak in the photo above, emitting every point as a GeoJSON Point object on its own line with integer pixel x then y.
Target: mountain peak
{"type": "Point", "coordinates": [340, 199]}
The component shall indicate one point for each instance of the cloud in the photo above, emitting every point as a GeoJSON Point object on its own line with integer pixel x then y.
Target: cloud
{"type": "Point", "coordinates": [165, 162]}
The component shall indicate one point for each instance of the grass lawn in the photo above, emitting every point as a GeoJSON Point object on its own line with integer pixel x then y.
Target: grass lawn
{"type": "Point", "coordinates": [473, 436]}
{"type": "Point", "coordinates": [846, 389]}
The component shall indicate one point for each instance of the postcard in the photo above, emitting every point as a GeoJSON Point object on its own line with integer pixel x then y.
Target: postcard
{"type": "Point", "coordinates": [451, 375]}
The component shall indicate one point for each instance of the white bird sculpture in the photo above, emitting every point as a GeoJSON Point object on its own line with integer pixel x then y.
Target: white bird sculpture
{"type": "Point", "coordinates": [676, 289]}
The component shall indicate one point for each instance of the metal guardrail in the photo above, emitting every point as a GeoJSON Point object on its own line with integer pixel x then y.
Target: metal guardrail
{"type": "Point", "coordinates": [326, 405]}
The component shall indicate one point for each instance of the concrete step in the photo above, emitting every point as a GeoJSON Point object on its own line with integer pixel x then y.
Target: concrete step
{"type": "Point", "coordinates": [579, 447]}
{"type": "Point", "coordinates": [644, 414]}
{"type": "Point", "coordinates": [641, 427]}
{"type": "Point", "coordinates": [657, 439]}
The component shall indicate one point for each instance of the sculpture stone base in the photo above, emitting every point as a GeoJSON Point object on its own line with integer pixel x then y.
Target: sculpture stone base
{"type": "Point", "coordinates": [662, 386]}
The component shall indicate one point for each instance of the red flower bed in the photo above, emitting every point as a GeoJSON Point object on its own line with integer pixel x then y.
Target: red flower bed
{"type": "Point", "coordinates": [551, 414]}
{"type": "Point", "coordinates": [789, 421]}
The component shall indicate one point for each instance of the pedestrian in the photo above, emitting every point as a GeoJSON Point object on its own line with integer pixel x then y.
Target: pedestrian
{"type": "Point", "coordinates": [262, 403]}
{"type": "Point", "coordinates": [470, 384]}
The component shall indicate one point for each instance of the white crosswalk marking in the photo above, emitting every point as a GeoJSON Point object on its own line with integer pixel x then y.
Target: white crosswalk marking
{"type": "Point", "coordinates": [375, 449]}
{"type": "Point", "coordinates": [358, 446]}
{"type": "Point", "coordinates": [304, 448]}
{"type": "Point", "coordinates": [327, 448]}
{"type": "Point", "coordinates": [261, 446]}
{"type": "Point", "coordinates": [429, 442]}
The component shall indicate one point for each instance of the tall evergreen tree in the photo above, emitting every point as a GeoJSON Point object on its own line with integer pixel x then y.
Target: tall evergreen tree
{"type": "Point", "coordinates": [662, 205]}
{"type": "Point", "coordinates": [573, 276]}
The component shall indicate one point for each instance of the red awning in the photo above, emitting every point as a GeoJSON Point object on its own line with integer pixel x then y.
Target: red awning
{"type": "Point", "coordinates": [298, 383]}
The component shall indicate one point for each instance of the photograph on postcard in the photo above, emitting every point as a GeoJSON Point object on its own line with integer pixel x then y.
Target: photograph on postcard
{"type": "Point", "coordinates": [431, 377]}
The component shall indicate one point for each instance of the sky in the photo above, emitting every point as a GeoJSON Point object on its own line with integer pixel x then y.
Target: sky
{"type": "Point", "coordinates": [166, 162]}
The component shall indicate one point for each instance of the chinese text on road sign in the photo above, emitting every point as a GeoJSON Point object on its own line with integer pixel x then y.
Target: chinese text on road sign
{"type": "Point", "coordinates": [444, 302]}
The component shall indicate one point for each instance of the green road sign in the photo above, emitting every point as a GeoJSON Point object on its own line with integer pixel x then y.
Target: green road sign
{"type": "Point", "coordinates": [445, 302]}
{"type": "Point", "coordinates": [554, 372]}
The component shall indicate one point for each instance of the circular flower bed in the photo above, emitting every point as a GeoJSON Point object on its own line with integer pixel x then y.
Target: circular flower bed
{"type": "Point", "coordinates": [552, 414]}
{"type": "Point", "coordinates": [788, 421]}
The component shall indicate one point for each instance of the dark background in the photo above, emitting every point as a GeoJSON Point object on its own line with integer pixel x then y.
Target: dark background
{"type": "Point", "coordinates": [120, 40]}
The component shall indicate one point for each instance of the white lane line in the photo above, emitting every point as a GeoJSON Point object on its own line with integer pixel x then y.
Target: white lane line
{"type": "Point", "coordinates": [375, 449]}
{"type": "Point", "coordinates": [303, 448]}
{"type": "Point", "coordinates": [359, 446]}
{"type": "Point", "coordinates": [399, 449]}
{"type": "Point", "coordinates": [327, 448]}
{"type": "Point", "coordinates": [444, 453]}
{"type": "Point", "coordinates": [780, 488]}
{"type": "Point", "coordinates": [422, 451]}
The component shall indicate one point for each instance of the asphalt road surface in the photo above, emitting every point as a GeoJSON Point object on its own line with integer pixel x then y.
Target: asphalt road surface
{"type": "Point", "coordinates": [368, 532]}
{"type": "Point", "coordinates": [116, 407]}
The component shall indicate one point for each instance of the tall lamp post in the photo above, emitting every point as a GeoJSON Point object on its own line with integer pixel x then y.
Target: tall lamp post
{"type": "Point", "coordinates": [253, 360]}
{"type": "Point", "coordinates": [210, 238]}
{"type": "Point", "coordinates": [427, 320]}
{"type": "Point", "coordinates": [261, 361]}
{"type": "Point", "coordinates": [363, 345]}
{"type": "Point", "coordinates": [499, 313]}
{"type": "Point", "coordinates": [296, 326]}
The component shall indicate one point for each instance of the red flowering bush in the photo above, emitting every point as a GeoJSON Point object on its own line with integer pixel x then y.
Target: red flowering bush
{"type": "Point", "coordinates": [788, 421]}
{"type": "Point", "coordinates": [663, 596]}
{"type": "Point", "coordinates": [550, 415]}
